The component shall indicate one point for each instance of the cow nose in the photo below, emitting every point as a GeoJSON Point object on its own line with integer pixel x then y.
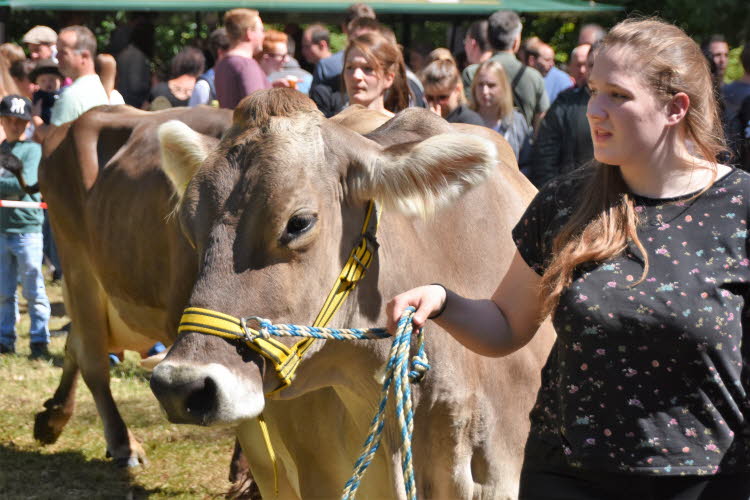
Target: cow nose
{"type": "Point", "coordinates": [206, 394]}
{"type": "Point", "coordinates": [186, 398]}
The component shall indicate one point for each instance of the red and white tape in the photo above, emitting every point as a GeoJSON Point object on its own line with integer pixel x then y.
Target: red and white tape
{"type": "Point", "coordinates": [23, 204]}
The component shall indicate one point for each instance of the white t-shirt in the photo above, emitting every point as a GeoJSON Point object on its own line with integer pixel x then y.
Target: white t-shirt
{"type": "Point", "coordinates": [83, 94]}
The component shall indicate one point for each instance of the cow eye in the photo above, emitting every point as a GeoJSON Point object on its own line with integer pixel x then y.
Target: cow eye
{"type": "Point", "coordinates": [297, 225]}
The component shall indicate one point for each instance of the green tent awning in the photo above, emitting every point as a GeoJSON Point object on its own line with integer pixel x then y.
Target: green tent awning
{"type": "Point", "coordinates": [464, 7]}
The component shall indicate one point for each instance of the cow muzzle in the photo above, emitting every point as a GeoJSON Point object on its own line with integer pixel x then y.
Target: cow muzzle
{"type": "Point", "coordinates": [207, 394]}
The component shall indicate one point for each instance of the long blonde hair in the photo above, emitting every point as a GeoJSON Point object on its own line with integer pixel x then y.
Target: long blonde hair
{"type": "Point", "coordinates": [602, 225]}
{"type": "Point", "coordinates": [505, 102]}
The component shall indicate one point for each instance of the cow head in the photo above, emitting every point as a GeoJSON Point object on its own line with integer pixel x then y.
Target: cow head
{"type": "Point", "coordinates": [273, 212]}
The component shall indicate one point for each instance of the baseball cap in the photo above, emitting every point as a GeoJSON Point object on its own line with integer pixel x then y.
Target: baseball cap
{"type": "Point", "coordinates": [16, 105]}
{"type": "Point", "coordinates": [40, 34]}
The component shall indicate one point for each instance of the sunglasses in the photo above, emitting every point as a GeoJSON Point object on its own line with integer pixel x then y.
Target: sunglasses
{"type": "Point", "coordinates": [436, 98]}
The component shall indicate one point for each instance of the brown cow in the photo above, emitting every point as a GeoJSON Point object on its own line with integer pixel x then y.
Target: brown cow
{"type": "Point", "coordinates": [273, 213]}
{"type": "Point", "coordinates": [128, 268]}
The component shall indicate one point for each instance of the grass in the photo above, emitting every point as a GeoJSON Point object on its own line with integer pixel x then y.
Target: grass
{"type": "Point", "coordinates": [186, 462]}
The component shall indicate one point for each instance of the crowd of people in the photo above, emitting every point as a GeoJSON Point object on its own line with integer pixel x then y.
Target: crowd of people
{"type": "Point", "coordinates": [645, 276]}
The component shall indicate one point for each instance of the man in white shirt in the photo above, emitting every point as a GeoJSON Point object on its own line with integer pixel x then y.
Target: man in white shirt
{"type": "Point", "coordinates": [76, 54]}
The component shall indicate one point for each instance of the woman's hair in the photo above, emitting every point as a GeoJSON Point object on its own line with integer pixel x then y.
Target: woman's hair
{"type": "Point", "coordinates": [386, 58]}
{"type": "Point", "coordinates": [505, 101]}
{"type": "Point", "coordinates": [442, 73]}
{"type": "Point", "coordinates": [7, 85]}
{"type": "Point", "coordinates": [668, 62]}
{"type": "Point", "coordinates": [188, 61]}
{"type": "Point", "coordinates": [441, 54]}
{"type": "Point", "coordinates": [12, 52]}
{"type": "Point", "coordinates": [271, 38]}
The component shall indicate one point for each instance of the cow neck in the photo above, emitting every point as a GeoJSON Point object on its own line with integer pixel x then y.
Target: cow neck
{"type": "Point", "coordinates": [285, 360]}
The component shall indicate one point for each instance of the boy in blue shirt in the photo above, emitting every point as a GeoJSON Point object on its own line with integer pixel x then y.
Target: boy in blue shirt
{"type": "Point", "coordinates": [21, 235]}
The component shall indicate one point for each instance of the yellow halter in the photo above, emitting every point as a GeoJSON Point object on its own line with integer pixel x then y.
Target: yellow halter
{"type": "Point", "coordinates": [285, 360]}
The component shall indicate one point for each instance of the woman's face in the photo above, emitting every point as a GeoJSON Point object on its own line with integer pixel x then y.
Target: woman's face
{"type": "Point", "coordinates": [627, 121]}
{"type": "Point", "coordinates": [365, 84]}
{"type": "Point", "coordinates": [487, 90]}
{"type": "Point", "coordinates": [274, 60]}
{"type": "Point", "coordinates": [442, 99]}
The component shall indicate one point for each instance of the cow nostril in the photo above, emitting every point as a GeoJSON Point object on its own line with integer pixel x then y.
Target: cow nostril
{"type": "Point", "coordinates": [202, 401]}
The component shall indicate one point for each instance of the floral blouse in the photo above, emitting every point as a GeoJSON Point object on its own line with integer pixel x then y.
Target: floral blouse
{"type": "Point", "coordinates": [651, 378]}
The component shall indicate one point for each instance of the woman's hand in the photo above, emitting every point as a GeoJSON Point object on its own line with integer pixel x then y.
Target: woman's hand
{"type": "Point", "coordinates": [427, 300]}
{"type": "Point", "coordinates": [435, 107]}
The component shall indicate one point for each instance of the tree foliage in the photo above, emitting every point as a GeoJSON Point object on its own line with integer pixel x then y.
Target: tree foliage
{"type": "Point", "coordinates": [699, 18]}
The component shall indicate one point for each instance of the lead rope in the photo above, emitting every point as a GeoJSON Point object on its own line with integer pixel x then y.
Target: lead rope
{"type": "Point", "coordinates": [397, 374]}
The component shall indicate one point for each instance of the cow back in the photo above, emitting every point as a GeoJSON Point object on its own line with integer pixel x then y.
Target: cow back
{"type": "Point", "coordinates": [111, 205]}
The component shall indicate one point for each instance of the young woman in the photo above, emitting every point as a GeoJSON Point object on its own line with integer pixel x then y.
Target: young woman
{"type": "Point", "coordinates": [374, 74]}
{"type": "Point", "coordinates": [492, 98]}
{"type": "Point", "coordinates": [185, 69]}
{"type": "Point", "coordinates": [643, 262]}
{"type": "Point", "coordinates": [444, 93]}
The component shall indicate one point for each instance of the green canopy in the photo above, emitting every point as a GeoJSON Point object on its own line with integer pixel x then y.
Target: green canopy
{"type": "Point", "coordinates": [444, 7]}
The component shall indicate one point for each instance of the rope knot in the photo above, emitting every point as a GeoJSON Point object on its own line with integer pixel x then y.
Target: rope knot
{"type": "Point", "coordinates": [419, 368]}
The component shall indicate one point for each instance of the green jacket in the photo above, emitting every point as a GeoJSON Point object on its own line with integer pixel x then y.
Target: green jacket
{"type": "Point", "coordinates": [21, 220]}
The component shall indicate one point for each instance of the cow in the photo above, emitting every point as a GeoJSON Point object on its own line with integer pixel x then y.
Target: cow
{"type": "Point", "coordinates": [128, 267]}
{"type": "Point", "coordinates": [273, 212]}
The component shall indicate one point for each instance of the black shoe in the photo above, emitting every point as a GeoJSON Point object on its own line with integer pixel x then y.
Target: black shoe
{"type": "Point", "coordinates": [39, 351]}
{"type": "Point", "coordinates": [4, 349]}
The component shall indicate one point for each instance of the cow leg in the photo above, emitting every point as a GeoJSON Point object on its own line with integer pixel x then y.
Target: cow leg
{"type": "Point", "coordinates": [243, 486]}
{"type": "Point", "coordinates": [49, 424]}
{"type": "Point", "coordinates": [122, 446]}
{"type": "Point", "coordinates": [88, 344]}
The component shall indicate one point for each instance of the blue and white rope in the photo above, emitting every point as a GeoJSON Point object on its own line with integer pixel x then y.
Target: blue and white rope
{"type": "Point", "coordinates": [397, 374]}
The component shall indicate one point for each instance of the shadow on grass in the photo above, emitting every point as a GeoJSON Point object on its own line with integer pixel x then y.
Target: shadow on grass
{"type": "Point", "coordinates": [63, 475]}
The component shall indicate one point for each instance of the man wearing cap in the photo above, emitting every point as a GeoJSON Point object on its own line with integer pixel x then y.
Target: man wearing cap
{"type": "Point", "coordinates": [21, 234]}
{"type": "Point", "coordinates": [41, 41]}
{"type": "Point", "coordinates": [76, 54]}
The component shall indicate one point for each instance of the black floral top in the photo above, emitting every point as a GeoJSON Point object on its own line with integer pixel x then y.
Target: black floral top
{"type": "Point", "coordinates": [652, 378]}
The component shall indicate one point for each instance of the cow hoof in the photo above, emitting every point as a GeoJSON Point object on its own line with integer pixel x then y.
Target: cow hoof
{"type": "Point", "coordinates": [128, 462]}
{"type": "Point", "coordinates": [44, 430]}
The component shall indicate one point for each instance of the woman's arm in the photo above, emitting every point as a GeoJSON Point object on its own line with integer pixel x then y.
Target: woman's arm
{"type": "Point", "coordinates": [490, 327]}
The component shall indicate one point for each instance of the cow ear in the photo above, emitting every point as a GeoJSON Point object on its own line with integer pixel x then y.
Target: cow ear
{"type": "Point", "coordinates": [182, 152]}
{"type": "Point", "coordinates": [421, 177]}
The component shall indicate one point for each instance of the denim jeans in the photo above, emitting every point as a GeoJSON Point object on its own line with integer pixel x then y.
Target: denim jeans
{"type": "Point", "coordinates": [21, 260]}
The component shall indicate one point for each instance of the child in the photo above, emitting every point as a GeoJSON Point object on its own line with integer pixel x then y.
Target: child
{"type": "Point", "coordinates": [21, 235]}
{"type": "Point", "coordinates": [48, 78]}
